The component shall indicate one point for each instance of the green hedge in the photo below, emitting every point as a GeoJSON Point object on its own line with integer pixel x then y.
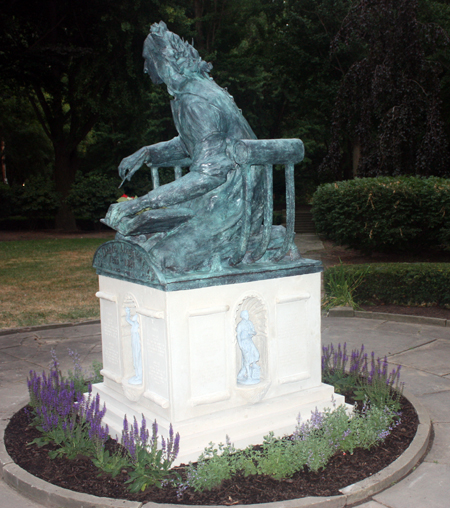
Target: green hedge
{"type": "Point", "coordinates": [398, 283]}
{"type": "Point", "coordinates": [384, 213]}
{"type": "Point", "coordinates": [92, 194]}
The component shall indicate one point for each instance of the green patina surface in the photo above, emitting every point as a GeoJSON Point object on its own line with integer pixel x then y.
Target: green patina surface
{"type": "Point", "coordinates": [214, 225]}
{"type": "Point", "coordinates": [125, 261]}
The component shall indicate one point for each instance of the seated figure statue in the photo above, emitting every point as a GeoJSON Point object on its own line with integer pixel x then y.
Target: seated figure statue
{"type": "Point", "coordinates": [195, 221]}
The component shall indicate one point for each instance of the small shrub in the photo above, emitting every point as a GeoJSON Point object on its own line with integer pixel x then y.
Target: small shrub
{"type": "Point", "coordinates": [384, 213]}
{"type": "Point", "coordinates": [38, 198]}
{"type": "Point", "coordinates": [368, 378]}
{"type": "Point", "coordinates": [311, 446]}
{"type": "Point", "coordinates": [91, 195]}
{"type": "Point", "coordinates": [214, 465]}
{"type": "Point", "coordinates": [340, 286]}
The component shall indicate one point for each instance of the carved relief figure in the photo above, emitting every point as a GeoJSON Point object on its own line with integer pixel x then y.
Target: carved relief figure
{"type": "Point", "coordinates": [250, 371]}
{"type": "Point", "coordinates": [169, 222]}
{"type": "Point", "coordinates": [135, 348]}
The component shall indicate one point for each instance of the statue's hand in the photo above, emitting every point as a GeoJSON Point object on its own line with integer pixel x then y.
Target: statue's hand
{"type": "Point", "coordinates": [118, 211]}
{"type": "Point", "coordinates": [131, 164]}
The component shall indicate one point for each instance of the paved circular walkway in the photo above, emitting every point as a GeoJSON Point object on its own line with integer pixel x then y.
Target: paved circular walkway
{"type": "Point", "coordinates": [422, 350]}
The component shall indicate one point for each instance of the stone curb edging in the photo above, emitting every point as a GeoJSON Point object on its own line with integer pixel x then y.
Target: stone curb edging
{"type": "Point", "coordinates": [385, 316]}
{"type": "Point", "coordinates": [334, 312]}
{"type": "Point", "coordinates": [24, 329]}
{"type": "Point", "coordinates": [57, 497]}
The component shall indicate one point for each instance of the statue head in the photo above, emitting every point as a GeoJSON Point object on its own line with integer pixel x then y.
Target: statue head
{"type": "Point", "coordinates": [244, 314]}
{"type": "Point", "coordinates": [169, 58]}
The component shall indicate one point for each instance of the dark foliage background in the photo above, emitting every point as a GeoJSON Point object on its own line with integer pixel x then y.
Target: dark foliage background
{"type": "Point", "coordinates": [364, 83]}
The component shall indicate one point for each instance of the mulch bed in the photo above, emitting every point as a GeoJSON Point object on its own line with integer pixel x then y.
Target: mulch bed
{"type": "Point", "coordinates": [81, 475]}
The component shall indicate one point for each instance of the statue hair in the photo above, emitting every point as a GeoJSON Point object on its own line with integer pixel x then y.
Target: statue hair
{"type": "Point", "coordinates": [177, 52]}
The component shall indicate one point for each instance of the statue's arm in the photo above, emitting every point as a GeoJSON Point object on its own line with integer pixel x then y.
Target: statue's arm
{"type": "Point", "coordinates": [208, 171]}
{"type": "Point", "coordinates": [209, 168]}
{"type": "Point", "coordinates": [159, 153]}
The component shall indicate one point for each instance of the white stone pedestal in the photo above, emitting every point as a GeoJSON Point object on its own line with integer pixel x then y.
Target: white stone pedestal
{"type": "Point", "coordinates": [191, 359]}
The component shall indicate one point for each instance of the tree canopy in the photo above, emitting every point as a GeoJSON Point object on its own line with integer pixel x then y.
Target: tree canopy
{"type": "Point", "coordinates": [388, 113]}
{"type": "Point", "coordinates": [72, 60]}
{"type": "Point", "coordinates": [377, 103]}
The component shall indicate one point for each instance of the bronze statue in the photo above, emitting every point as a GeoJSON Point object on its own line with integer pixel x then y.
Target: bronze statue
{"type": "Point", "coordinates": [208, 218]}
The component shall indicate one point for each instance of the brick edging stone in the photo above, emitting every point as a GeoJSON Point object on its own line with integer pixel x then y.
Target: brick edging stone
{"type": "Point", "coordinates": [385, 316]}
{"type": "Point", "coordinates": [51, 326]}
{"type": "Point", "coordinates": [53, 496]}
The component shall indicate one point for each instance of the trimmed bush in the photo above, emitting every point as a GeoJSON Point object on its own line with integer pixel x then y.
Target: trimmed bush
{"type": "Point", "coordinates": [384, 214]}
{"type": "Point", "coordinates": [397, 283]}
{"type": "Point", "coordinates": [38, 198]}
{"type": "Point", "coordinates": [92, 194]}
{"type": "Point", "coordinates": [8, 199]}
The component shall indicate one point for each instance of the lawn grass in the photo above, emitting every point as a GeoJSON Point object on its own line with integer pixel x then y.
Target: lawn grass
{"type": "Point", "coordinates": [48, 281]}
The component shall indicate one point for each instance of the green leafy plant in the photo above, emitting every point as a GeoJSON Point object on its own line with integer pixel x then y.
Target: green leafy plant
{"type": "Point", "coordinates": [38, 197]}
{"type": "Point", "coordinates": [150, 463]}
{"type": "Point", "coordinates": [214, 465]}
{"type": "Point", "coordinates": [340, 286]}
{"type": "Point", "coordinates": [369, 379]}
{"type": "Point", "coordinates": [311, 446]}
{"type": "Point", "coordinates": [110, 463]}
{"type": "Point", "coordinates": [91, 195]}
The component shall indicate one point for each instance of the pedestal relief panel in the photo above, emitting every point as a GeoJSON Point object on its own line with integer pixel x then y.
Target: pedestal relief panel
{"type": "Point", "coordinates": [156, 361]}
{"type": "Point", "coordinates": [293, 330]}
{"type": "Point", "coordinates": [132, 348]}
{"type": "Point", "coordinates": [112, 366]}
{"type": "Point", "coordinates": [208, 358]}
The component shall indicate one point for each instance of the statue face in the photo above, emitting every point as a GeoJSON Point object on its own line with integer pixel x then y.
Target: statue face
{"type": "Point", "coordinates": [150, 65]}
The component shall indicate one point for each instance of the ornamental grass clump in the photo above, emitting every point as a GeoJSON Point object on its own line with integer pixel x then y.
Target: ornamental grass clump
{"type": "Point", "coordinates": [340, 286]}
{"type": "Point", "coordinates": [366, 376]}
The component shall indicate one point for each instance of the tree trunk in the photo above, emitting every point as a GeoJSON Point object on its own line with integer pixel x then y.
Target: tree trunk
{"type": "Point", "coordinates": [4, 177]}
{"type": "Point", "coordinates": [356, 157]}
{"type": "Point", "coordinates": [66, 165]}
{"type": "Point", "coordinates": [198, 13]}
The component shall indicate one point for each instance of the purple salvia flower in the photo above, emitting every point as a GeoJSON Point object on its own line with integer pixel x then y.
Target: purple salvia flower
{"type": "Point", "coordinates": [143, 434]}
{"type": "Point", "coordinates": [176, 447]}
{"type": "Point", "coordinates": [154, 431]}
{"type": "Point", "coordinates": [135, 429]}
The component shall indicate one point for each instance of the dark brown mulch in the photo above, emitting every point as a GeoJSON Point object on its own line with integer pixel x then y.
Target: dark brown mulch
{"type": "Point", "coordinates": [81, 475]}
